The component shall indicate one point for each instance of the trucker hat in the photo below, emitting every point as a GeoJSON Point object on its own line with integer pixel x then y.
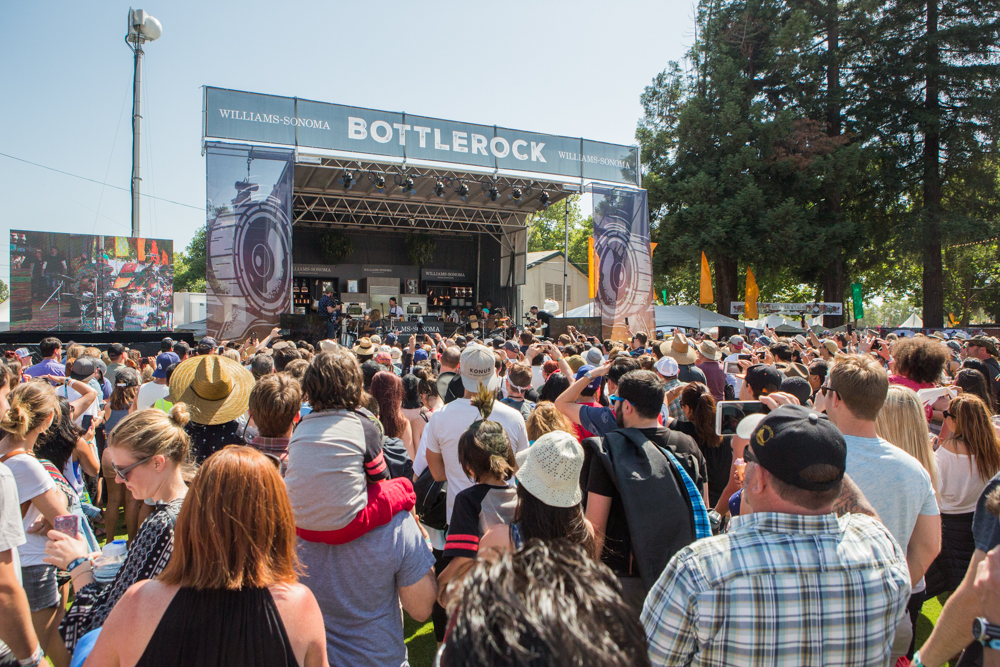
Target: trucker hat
{"type": "Point", "coordinates": [792, 438]}
{"type": "Point", "coordinates": [478, 366]}
{"type": "Point", "coordinates": [163, 362]}
{"type": "Point", "coordinates": [667, 367]}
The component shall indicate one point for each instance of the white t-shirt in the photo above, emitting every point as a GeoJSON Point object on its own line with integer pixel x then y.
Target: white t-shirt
{"type": "Point", "coordinates": [536, 377]}
{"type": "Point", "coordinates": [960, 484]}
{"type": "Point", "coordinates": [11, 530]}
{"type": "Point", "coordinates": [32, 481]}
{"type": "Point", "coordinates": [446, 426]}
{"type": "Point", "coordinates": [150, 393]}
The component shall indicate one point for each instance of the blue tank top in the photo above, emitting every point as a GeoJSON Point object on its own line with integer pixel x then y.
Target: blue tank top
{"type": "Point", "coordinates": [116, 416]}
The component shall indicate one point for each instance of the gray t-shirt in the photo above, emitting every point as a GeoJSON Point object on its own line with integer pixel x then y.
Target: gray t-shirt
{"type": "Point", "coordinates": [894, 482]}
{"type": "Point", "coordinates": [357, 587]}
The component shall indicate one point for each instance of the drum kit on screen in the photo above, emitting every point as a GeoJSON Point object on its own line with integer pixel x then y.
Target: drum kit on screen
{"type": "Point", "coordinates": [133, 300]}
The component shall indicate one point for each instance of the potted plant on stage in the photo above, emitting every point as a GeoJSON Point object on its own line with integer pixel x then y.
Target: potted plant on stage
{"type": "Point", "coordinates": [335, 246]}
{"type": "Point", "coordinates": [420, 249]}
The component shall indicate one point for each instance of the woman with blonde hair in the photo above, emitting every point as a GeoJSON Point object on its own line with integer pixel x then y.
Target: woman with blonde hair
{"type": "Point", "coordinates": [901, 422]}
{"type": "Point", "coordinates": [545, 418]}
{"type": "Point", "coordinates": [967, 460]}
{"type": "Point", "coordinates": [149, 451]}
{"type": "Point", "coordinates": [230, 593]}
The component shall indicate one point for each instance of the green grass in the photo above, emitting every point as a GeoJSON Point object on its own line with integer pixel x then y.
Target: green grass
{"type": "Point", "coordinates": [420, 642]}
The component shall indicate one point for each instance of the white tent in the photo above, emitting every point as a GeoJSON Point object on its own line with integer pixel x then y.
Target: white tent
{"type": "Point", "coordinates": [772, 321]}
{"type": "Point", "coordinates": [692, 317]}
{"type": "Point", "coordinates": [912, 322]}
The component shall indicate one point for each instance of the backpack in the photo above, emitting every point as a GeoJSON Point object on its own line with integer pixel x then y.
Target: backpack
{"type": "Point", "coordinates": [432, 501]}
{"type": "Point", "coordinates": [649, 486]}
{"type": "Point", "coordinates": [397, 459]}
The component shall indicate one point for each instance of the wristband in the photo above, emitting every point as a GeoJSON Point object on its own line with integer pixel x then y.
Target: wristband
{"type": "Point", "coordinates": [76, 563]}
{"type": "Point", "coordinates": [916, 660]}
{"type": "Point", "coordinates": [36, 658]}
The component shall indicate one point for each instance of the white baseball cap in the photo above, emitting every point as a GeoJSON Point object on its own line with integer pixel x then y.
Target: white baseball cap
{"type": "Point", "coordinates": [478, 365]}
{"type": "Point", "coordinates": [550, 469]}
{"type": "Point", "coordinates": [667, 367]}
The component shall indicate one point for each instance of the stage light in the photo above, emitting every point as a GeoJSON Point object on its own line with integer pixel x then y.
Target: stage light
{"type": "Point", "coordinates": [380, 183]}
{"type": "Point", "coordinates": [544, 199]}
{"type": "Point", "coordinates": [409, 187]}
{"type": "Point", "coordinates": [515, 194]}
{"type": "Point", "coordinates": [347, 180]}
{"type": "Point", "coordinates": [494, 193]}
{"type": "Point", "coordinates": [463, 192]}
{"type": "Point", "coordinates": [439, 189]}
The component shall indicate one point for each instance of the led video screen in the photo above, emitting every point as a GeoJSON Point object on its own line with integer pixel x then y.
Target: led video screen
{"type": "Point", "coordinates": [80, 282]}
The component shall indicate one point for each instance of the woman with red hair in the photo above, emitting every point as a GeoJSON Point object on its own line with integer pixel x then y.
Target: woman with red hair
{"type": "Point", "coordinates": [387, 389]}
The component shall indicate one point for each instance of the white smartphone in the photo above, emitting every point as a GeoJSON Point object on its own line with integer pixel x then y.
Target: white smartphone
{"type": "Point", "coordinates": [728, 414]}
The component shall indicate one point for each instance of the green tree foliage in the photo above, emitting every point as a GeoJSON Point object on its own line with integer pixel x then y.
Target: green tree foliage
{"type": "Point", "coordinates": [4, 291]}
{"type": "Point", "coordinates": [927, 100]}
{"type": "Point", "coordinates": [189, 266]}
{"type": "Point", "coordinates": [546, 231]}
{"type": "Point", "coordinates": [972, 282]}
{"type": "Point", "coordinates": [823, 143]}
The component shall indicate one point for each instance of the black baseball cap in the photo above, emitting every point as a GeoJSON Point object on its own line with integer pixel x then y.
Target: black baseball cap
{"type": "Point", "coordinates": [83, 368]}
{"type": "Point", "coordinates": [763, 379]}
{"type": "Point", "coordinates": [793, 438]}
{"type": "Point", "coordinates": [206, 345]}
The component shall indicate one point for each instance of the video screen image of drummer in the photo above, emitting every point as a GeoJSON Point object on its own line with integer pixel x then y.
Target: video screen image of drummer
{"type": "Point", "coordinates": [82, 282]}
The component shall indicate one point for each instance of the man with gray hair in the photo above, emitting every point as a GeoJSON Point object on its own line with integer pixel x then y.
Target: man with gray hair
{"type": "Point", "coordinates": [262, 364]}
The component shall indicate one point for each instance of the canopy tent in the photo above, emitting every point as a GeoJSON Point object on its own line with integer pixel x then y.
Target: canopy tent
{"type": "Point", "coordinates": [772, 321]}
{"type": "Point", "coordinates": [912, 322]}
{"type": "Point", "coordinates": [692, 317]}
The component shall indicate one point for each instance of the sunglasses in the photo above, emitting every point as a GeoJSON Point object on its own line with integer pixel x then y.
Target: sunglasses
{"type": "Point", "coordinates": [948, 414]}
{"type": "Point", "coordinates": [827, 390]}
{"type": "Point", "coordinates": [614, 399]}
{"type": "Point", "coordinates": [124, 472]}
{"type": "Point", "coordinates": [748, 455]}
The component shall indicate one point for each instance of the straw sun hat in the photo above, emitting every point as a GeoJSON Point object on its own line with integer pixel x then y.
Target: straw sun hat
{"type": "Point", "coordinates": [216, 389]}
{"type": "Point", "coordinates": [550, 469]}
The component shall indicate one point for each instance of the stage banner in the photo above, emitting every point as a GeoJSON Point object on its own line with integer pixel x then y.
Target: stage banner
{"type": "Point", "coordinates": [249, 239]}
{"type": "Point", "coordinates": [796, 309]}
{"type": "Point", "coordinates": [622, 250]}
{"type": "Point", "coordinates": [233, 115]}
{"type": "Point", "coordinates": [82, 282]}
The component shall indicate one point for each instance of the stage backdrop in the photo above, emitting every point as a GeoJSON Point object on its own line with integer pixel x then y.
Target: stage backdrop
{"type": "Point", "coordinates": [249, 263]}
{"type": "Point", "coordinates": [80, 282]}
{"type": "Point", "coordinates": [622, 250]}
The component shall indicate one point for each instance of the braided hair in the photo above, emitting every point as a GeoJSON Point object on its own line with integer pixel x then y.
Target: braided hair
{"type": "Point", "coordinates": [484, 448]}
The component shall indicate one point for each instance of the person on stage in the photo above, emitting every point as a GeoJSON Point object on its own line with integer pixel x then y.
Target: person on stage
{"type": "Point", "coordinates": [395, 310]}
{"type": "Point", "coordinates": [331, 308]}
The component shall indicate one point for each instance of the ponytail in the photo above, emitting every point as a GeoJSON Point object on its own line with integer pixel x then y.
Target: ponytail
{"type": "Point", "coordinates": [700, 402]}
{"type": "Point", "coordinates": [484, 448]}
{"type": "Point", "coordinates": [30, 405]}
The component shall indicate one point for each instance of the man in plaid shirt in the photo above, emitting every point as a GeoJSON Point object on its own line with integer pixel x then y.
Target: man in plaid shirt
{"type": "Point", "coordinates": [790, 583]}
{"type": "Point", "coordinates": [668, 370]}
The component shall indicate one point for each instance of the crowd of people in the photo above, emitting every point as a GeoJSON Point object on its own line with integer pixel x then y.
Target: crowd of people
{"type": "Point", "coordinates": [568, 501]}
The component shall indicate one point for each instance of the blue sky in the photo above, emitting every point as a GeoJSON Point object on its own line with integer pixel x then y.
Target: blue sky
{"type": "Point", "coordinates": [571, 68]}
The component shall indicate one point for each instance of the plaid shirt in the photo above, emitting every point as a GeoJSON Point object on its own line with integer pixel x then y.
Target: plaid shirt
{"type": "Point", "coordinates": [674, 407]}
{"type": "Point", "coordinates": [781, 589]}
{"type": "Point", "coordinates": [274, 446]}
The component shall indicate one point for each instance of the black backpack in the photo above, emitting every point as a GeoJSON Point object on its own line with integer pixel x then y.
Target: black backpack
{"type": "Point", "coordinates": [432, 501]}
{"type": "Point", "coordinates": [397, 460]}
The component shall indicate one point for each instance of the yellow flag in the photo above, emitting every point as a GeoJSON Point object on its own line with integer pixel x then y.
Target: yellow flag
{"type": "Point", "coordinates": [750, 306]}
{"type": "Point", "coordinates": [593, 274]}
{"type": "Point", "coordinates": [706, 281]}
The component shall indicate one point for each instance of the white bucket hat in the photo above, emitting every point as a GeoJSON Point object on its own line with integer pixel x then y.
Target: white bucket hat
{"type": "Point", "coordinates": [550, 469]}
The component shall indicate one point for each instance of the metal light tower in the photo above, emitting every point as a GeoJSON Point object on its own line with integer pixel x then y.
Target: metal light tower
{"type": "Point", "coordinates": [142, 28]}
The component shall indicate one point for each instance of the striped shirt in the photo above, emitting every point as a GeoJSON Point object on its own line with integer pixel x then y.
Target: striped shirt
{"type": "Point", "coordinates": [781, 589]}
